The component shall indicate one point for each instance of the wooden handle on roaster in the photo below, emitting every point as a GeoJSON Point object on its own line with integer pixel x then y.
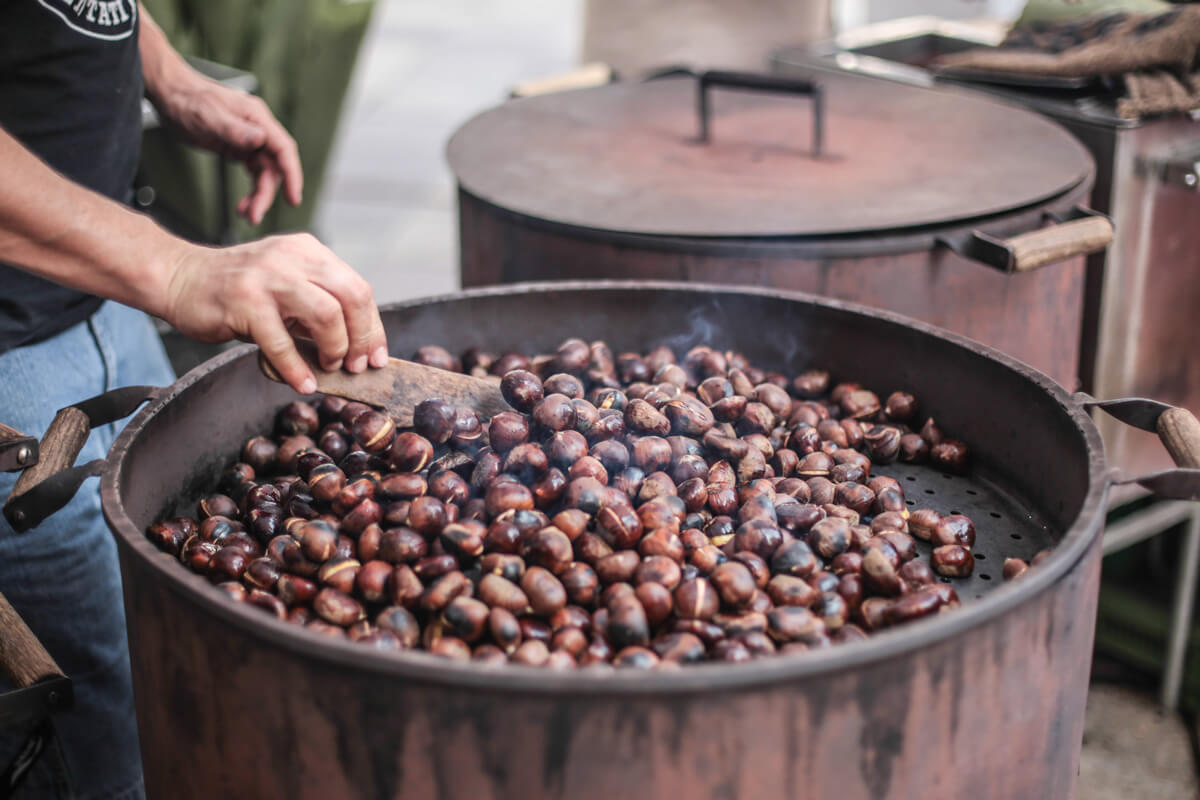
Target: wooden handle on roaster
{"type": "Point", "coordinates": [1057, 242]}
{"type": "Point", "coordinates": [59, 448]}
{"type": "Point", "coordinates": [22, 657]}
{"type": "Point", "coordinates": [1179, 431]}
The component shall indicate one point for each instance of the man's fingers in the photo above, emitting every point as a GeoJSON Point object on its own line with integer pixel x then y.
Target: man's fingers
{"type": "Point", "coordinates": [309, 306]}
{"type": "Point", "coordinates": [368, 342]}
{"type": "Point", "coordinates": [311, 291]}
{"type": "Point", "coordinates": [273, 289]}
{"type": "Point", "coordinates": [266, 184]}
{"type": "Point", "coordinates": [276, 149]}
{"type": "Point", "coordinates": [272, 337]}
{"type": "Point", "coordinates": [286, 156]}
{"type": "Point", "coordinates": [239, 135]}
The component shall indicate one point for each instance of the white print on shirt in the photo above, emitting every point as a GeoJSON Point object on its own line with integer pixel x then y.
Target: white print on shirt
{"type": "Point", "coordinates": [99, 19]}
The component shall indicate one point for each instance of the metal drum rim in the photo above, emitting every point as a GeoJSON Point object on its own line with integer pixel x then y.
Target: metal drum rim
{"type": "Point", "coordinates": [865, 244]}
{"type": "Point", "coordinates": [429, 669]}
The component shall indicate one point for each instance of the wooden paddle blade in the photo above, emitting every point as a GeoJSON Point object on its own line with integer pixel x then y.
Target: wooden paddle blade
{"type": "Point", "coordinates": [400, 385]}
{"type": "Point", "coordinates": [412, 383]}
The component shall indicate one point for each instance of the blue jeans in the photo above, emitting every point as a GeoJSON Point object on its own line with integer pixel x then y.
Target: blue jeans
{"type": "Point", "coordinates": [63, 577]}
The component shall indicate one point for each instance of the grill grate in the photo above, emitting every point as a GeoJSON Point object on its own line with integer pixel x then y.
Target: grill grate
{"type": "Point", "coordinates": [1004, 526]}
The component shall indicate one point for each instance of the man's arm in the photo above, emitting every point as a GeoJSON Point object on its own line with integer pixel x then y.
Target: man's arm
{"type": "Point", "coordinates": [262, 291]}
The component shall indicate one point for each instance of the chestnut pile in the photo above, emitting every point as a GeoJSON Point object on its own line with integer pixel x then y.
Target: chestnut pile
{"type": "Point", "coordinates": [632, 509]}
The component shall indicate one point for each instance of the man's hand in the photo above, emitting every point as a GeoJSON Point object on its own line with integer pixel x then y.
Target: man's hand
{"type": "Point", "coordinates": [241, 127]}
{"type": "Point", "coordinates": [224, 120]}
{"type": "Point", "coordinates": [269, 290]}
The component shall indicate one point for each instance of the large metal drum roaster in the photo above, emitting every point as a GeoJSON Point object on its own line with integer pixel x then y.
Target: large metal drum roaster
{"type": "Point", "coordinates": [984, 702]}
{"type": "Point", "coordinates": [928, 202]}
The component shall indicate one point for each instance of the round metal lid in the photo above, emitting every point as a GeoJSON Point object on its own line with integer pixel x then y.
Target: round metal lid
{"type": "Point", "coordinates": [626, 157]}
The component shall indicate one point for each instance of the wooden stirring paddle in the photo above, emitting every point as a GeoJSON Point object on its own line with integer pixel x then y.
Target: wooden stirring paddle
{"type": "Point", "coordinates": [400, 385]}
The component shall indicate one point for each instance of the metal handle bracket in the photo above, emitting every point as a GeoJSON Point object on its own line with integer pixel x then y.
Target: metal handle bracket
{"type": "Point", "coordinates": [1179, 169]}
{"type": "Point", "coordinates": [36, 702]}
{"type": "Point", "coordinates": [1140, 412]}
{"type": "Point", "coordinates": [1180, 434]}
{"type": "Point", "coordinates": [17, 450]}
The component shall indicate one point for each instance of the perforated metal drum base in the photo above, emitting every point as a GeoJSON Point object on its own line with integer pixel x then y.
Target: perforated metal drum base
{"type": "Point", "coordinates": [1005, 527]}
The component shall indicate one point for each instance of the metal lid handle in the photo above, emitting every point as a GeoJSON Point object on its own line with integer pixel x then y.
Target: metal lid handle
{"type": "Point", "coordinates": [761, 83]}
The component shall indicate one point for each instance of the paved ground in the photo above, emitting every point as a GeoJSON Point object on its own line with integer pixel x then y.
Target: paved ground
{"type": "Point", "coordinates": [389, 210]}
{"type": "Point", "coordinates": [1132, 751]}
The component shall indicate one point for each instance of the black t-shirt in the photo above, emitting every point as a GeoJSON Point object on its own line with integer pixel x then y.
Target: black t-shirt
{"type": "Point", "coordinates": [71, 92]}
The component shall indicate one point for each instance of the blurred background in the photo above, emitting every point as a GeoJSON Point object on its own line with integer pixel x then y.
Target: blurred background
{"type": "Point", "coordinates": [426, 66]}
{"type": "Point", "coordinates": [407, 74]}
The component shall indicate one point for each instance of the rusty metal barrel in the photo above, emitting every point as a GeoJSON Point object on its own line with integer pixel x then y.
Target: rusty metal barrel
{"type": "Point", "coordinates": [985, 702]}
{"type": "Point", "coordinates": [940, 204]}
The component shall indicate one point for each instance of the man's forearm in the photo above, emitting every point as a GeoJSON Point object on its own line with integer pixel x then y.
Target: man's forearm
{"type": "Point", "coordinates": [163, 69]}
{"type": "Point", "coordinates": [75, 237]}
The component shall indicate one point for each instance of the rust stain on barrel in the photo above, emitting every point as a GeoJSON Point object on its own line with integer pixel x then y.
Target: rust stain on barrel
{"type": "Point", "coordinates": [885, 712]}
{"type": "Point", "coordinates": [560, 729]}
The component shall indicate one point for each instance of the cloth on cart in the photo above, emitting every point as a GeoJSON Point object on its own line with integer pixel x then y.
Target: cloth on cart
{"type": "Point", "coordinates": [1156, 55]}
